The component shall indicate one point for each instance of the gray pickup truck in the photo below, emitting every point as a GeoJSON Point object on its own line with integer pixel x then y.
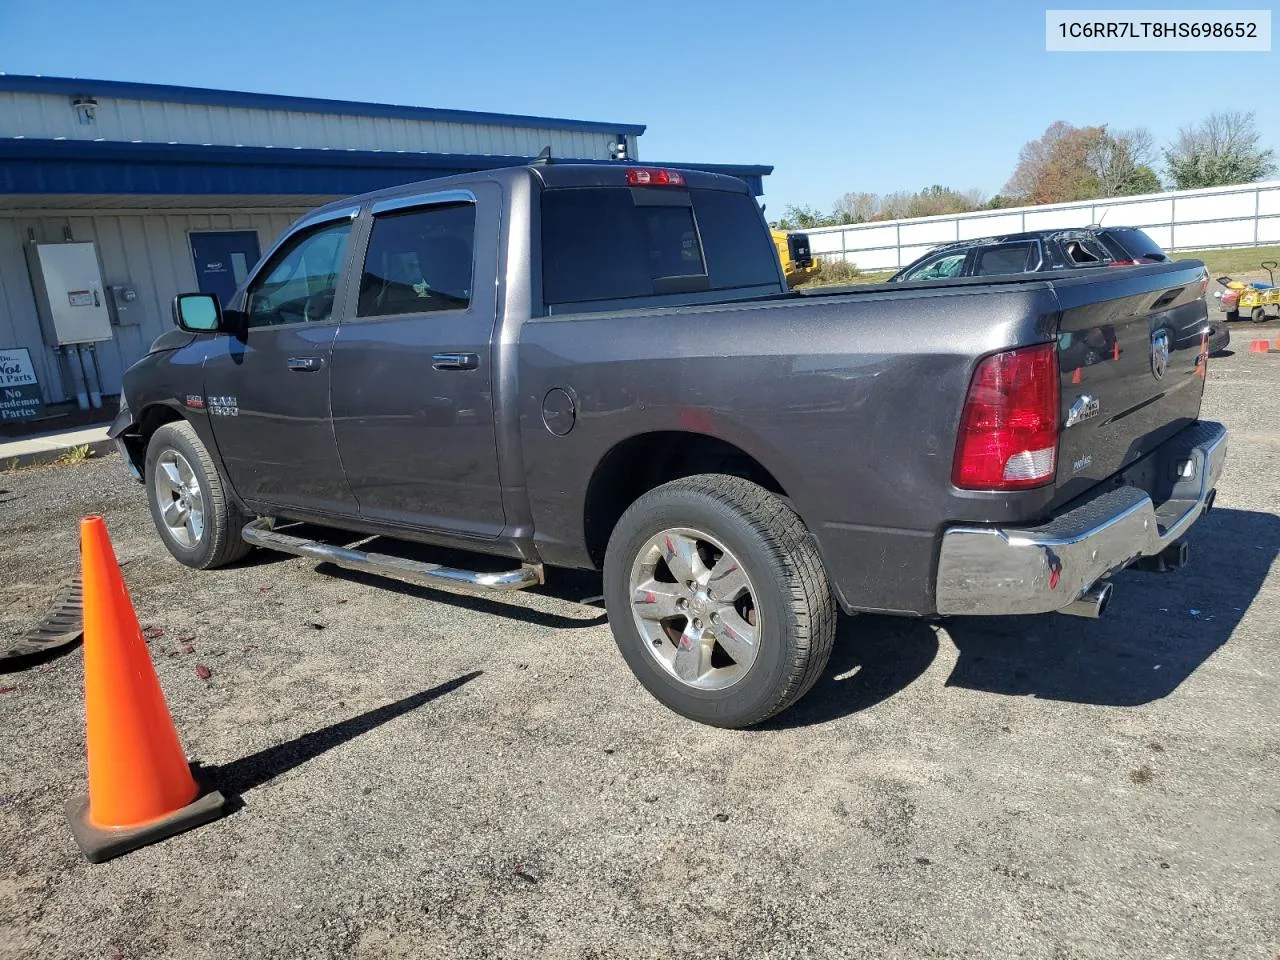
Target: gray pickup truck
{"type": "Point", "coordinates": [599, 366]}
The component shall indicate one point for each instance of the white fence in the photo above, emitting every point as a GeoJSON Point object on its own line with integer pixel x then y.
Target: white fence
{"type": "Point", "coordinates": [1178, 220]}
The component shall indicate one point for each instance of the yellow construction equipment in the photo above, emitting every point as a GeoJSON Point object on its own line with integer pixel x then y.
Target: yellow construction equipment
{"type": "Point", "coordinates": [793, 250]}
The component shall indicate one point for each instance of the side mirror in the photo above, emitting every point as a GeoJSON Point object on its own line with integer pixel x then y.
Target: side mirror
{"type": "Point", "coordinates": [198, 312]}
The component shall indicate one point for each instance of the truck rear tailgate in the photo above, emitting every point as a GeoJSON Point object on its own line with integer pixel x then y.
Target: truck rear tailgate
{"type": "Point", "coordinates": [1132, 367]}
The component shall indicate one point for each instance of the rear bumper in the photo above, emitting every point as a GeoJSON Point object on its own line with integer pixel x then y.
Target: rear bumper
{"type": "Point", "coordinates": [1012, 570]}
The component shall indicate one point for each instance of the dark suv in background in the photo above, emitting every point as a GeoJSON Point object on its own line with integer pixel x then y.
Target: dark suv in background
{"type": "Point", "coordinates": [1042, 251]}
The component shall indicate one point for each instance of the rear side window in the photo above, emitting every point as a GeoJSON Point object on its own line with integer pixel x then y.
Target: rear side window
{"type": "Point", "coordinates": [1007, 258]}
{"type": "Point", "coordinates": [598, 243]}
{"type": "Point", "coordinates": [1135, 245]}
{"type": "Point", "coordinates": [419, 261]}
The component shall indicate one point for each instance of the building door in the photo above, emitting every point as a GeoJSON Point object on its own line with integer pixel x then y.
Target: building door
{"type": "Point", "coordinates": [267, 389]}
{"type": "Point", "coordinates": [223, 259]}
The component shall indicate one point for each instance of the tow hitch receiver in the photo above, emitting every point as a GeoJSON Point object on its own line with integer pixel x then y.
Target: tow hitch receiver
{"type": "Point", "coordinates": [1175, 555]}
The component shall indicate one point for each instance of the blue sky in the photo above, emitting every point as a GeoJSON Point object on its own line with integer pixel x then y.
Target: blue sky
{"type": "Point", "coordinates": [837, 96]}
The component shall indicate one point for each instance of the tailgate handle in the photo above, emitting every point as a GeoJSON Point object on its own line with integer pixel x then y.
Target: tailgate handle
{"type": "Point", "coordinates": [305, 364]}
{"type": "Point", "coordinates": [1167, 298]}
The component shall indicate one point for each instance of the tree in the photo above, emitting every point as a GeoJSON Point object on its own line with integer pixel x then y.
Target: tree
{"type": "Point", "coordinates": [856, 207]}
{"type": "Point", "coordinates": [1121, 162]}
{"type": "Point", "coordinates": [1054, 168]}
{"type": "Point", "coordinates": [804, 217]}
{"type": "Point", "coordinates": [1223, 149]}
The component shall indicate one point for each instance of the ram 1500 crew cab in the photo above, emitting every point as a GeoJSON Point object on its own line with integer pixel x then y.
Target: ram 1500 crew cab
{"type": "Point", "coordinates": [600, 366]}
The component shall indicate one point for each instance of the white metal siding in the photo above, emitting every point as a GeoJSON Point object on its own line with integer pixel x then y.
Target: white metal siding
{"type": "Point", "coordinates": [1177, 220]}
{"type": "Point", "coordinates": [149, 252]}
{"type": "Point", "coordinates": [50, 116]}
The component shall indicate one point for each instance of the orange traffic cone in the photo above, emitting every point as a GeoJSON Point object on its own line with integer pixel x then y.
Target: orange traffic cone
{"type": "Point", "coordinates": [1259, 346]}
{"type": "Point", "coordinates": [141, 788]}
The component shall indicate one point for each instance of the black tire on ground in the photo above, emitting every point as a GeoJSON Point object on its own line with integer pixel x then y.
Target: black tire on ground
{"type": "Point", "coordinates": [220, 542]}
{"type": "Point", "coordinates": [794, 605]}
{"type": "Point", "coordinates": [1259, 315]}
{"type": "Point", "coordinates": [1233, 316]}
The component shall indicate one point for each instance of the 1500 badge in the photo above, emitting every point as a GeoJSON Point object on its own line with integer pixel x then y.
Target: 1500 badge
{"type": "Point", "coordinates": [1084, 408]}
{"type": "Point", "coordinates": [227, 406]}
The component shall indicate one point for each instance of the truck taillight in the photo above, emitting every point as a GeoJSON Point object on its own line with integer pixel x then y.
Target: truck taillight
{"type": "Point", "coordinates": [1009, 428]}
{"type": "Point", "coordinates": [649, 177]}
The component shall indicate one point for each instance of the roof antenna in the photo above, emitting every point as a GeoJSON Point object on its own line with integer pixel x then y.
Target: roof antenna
{"type": "Point", "coordinates": [544, 158]}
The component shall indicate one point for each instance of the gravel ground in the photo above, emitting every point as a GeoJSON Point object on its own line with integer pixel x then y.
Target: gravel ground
{"type": "Point", "coordinates": [424, 775]}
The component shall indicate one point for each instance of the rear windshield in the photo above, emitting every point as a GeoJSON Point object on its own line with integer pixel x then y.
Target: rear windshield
{"type": "Point", "coordinates": [612, 243]}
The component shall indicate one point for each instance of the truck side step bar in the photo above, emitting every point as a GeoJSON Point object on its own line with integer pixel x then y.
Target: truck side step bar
{"type": "Point", "coordinates": [262, 533]}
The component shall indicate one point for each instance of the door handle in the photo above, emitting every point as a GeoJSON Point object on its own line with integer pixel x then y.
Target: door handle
{"type": "Point", "coordinates": [455, 361]}
{"type": "Point", "coordinates": [305, 364]}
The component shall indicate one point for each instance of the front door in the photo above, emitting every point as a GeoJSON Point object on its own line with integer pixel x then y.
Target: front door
{"type": "Point", "coordinates": [412, 378]}
{"type": "Point", "coordinates": [267, 390]}
{"type": "Point", "coordinates": [223, 259]}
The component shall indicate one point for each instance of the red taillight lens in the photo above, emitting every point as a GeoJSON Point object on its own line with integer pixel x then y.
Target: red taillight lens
{"type": "Point", "coordinates": [649, 177]}
{"type": "Point", "coordinates": [1009, 428]}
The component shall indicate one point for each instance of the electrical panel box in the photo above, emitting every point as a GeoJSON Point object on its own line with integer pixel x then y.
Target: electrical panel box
{"type": "Point", "coordinates": [69, 292]}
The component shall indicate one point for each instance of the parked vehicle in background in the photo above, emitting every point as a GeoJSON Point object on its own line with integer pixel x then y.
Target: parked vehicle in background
{"type": "Point", "coordinates": [797, 261]}
{"type": "Point", "coordinates": [1041, 251]}
{"type": "Point", "coordinates": [601, 367]}
{"type": "Point", "coordinates": [1034, 251]}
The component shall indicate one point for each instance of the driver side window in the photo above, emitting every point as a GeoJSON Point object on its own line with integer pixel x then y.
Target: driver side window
{"type": "Point", "coordinates": [300, 283]}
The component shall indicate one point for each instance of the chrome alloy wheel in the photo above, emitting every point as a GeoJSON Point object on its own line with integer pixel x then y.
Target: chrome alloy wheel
{"type": "Point", "coordinates": [177, 491]}
{"type": "Point", "coordinates": [695, 607]}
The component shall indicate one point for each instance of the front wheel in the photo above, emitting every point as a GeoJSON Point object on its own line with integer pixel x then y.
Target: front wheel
{"type": "Point", "coordinates": [193, 512]}
{"type": "Point", "coordinates": [1259, 315]}
{"type": "Point", "coordinates": [718, 599]}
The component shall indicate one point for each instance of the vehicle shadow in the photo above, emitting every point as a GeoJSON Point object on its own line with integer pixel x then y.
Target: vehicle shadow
{"type": "Point", "coordinates": [1157, 631]}
{"type": "Point", "coordinates": [874, 658]}
{"type": "Point", "coordinates": [240, 776]}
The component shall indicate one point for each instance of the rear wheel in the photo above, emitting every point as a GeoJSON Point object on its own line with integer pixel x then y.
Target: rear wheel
{"type": "Point", "coordinates": [1233, 316]}
{"type": "Point", "coordinates": [192, 510]}
{"type": "Point", "coordinates": [1259, 315]}
{"type": "Point", "coordinates": [718, 600]}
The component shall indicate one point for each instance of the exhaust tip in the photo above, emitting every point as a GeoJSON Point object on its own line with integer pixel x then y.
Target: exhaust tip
{"type": "Point", "coordinates": [1104, 598]}
{"type": "Point", "coordinates": [1091, 604]}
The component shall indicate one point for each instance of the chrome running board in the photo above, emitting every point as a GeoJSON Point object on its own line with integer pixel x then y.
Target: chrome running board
{"type": "Point", "coordinates": [262, 533]}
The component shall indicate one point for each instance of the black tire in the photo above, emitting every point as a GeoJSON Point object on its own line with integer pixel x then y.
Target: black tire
{"type": "Point", "coordinates": [1233, 316]}
{"type": "Point", "coordinates": [220, 542]}
{"type": "Point", "coordinates": [794, 604]}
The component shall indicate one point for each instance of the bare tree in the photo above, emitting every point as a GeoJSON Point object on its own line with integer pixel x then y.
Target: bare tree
{"type": "Point", "coordinates": [1223, 149]}
{"type": "Point", "coordinates": [1120, 162]}
{"type": "Point", "coordinates": [856, 207]}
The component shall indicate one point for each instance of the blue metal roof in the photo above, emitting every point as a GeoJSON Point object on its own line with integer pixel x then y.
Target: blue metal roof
{"type": "Point", "coordinates": [74, 86]}
{"type": "Point", "coordinates": [29, 166]}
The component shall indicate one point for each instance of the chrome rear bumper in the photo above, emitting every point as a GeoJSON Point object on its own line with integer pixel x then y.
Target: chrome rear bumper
{"type": "Point", "coordinates": [994, 571]}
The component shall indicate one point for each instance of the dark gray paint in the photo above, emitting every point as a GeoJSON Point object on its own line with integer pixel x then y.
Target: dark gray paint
{"type": "Point", "coordinates": [850, 400]}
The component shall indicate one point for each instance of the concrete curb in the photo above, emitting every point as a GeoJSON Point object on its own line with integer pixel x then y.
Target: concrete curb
{"type": "Point", "coordinates": [19, 461]}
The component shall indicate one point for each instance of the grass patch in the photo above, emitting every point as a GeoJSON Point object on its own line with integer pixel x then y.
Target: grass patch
{"type": "Point", "coordinates": [831, 272]}
{"type": "Point", "coordinates": [1230, 262]}
{"type": "Point", "coordinates": [76, 454]}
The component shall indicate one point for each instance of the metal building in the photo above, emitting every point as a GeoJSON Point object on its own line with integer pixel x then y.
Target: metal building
{"type": "Point", "coordinates": [116, 196]}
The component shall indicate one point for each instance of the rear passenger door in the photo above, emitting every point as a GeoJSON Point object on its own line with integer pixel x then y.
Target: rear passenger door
{"type": "Point", "coordinates": [412, 379]}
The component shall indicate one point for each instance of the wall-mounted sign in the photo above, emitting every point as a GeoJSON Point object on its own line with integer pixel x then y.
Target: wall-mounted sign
{"type": "Point", "coordinates": [19, 388]}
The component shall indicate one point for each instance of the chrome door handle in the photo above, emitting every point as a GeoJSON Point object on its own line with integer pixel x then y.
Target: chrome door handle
{"type": "Point", "coordinates": [305, 364]}
{"type": "Point", "coordinates": [455, 361]}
